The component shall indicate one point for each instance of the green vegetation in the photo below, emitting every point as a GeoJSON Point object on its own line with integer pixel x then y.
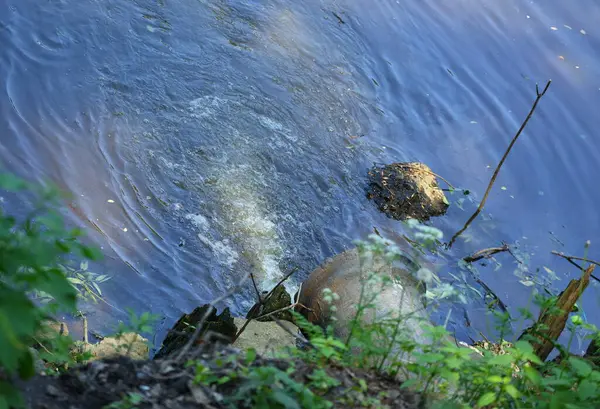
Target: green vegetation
{"type": "Point", "coordinates": [31, 253]}
{"type": "Point", "coordinates": [34, 252]}
{"type": "Point", "coordinates": [449, 374]}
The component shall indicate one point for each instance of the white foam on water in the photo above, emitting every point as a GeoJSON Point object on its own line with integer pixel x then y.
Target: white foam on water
{"type": "Point", "coordinates": [275, 126]}
{"type": "Point", "coordinates": [222, 249]}
{"type": "Point", "coordinates": [243, 216]}
{"type": "Point", "coordinates": [206, 106]}
{"type": "Point", "coordinates": [249, 223]}
{"type": "Point", "coordinates": [199, 221]}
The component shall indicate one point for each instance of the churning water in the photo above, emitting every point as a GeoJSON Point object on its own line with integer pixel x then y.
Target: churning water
{"type": "Point", "coordinates": [201, 138]}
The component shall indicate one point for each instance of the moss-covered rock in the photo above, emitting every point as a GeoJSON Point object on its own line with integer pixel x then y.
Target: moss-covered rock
{"type": "Point", "coordinates": [406, 191]}
{"type": "Point", "coordinates": [131, 345]}
{"type": "Point", "coordinates": [278, 300]}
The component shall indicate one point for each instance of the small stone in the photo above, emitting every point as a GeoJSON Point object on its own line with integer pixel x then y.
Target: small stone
{"type": "Point", "coordinates": [53, 391]}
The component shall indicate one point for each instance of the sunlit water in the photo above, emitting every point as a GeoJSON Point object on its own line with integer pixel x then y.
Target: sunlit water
{"type": "Point", "coordinates": [236, 134]}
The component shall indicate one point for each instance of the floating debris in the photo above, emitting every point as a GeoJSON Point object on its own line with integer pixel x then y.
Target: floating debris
{"type": "Point", "coordinates": [124, 229]}
{"type": "Point", "coordinates": [566, 26]}
{"type": "Point", "coordinates": [110, 201]}
{"type": "Point", "coordinates": [553, 28]}
{"type": "Point", "coordinates": [582, 31]}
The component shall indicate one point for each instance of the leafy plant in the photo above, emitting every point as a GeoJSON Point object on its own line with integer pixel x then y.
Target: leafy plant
{"type": "Point", "coordinates": [31, 251]}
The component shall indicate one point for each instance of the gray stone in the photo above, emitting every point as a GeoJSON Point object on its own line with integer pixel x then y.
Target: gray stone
{"type": "Point", "coordinates": [265, 337]}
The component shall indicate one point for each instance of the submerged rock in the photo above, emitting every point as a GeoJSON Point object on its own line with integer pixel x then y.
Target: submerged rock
{"type": "Point", "coordinates": [179, 335]}
{"type": "Point", "coordinates": [265, 337]}
{"type": "Point", "coordinates": [406, 191]}
{"type": "Point", "coordinates": [278, 300]}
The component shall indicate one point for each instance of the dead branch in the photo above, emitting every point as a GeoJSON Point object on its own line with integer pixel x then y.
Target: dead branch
{"type": "Point", "coordinates": [485, 253]}
{"type": "Point", "coordinates": [262, 301]}
{"type": "Point", "coordinates": [551, 324]}
{"type": "Point", "coordinates": [495, 175]}
{"type": "Point", "coordinates": [258, 296]}
{"type": "Point", "coordinates": [571, 258]}
{"type": "Point", "coordinates": [85, 329]}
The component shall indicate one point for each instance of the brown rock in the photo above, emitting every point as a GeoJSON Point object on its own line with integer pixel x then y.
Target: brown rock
{"type": "Point", "coordinates": [406, 190]}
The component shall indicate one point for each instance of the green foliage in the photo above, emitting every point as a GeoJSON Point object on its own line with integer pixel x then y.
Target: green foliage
{"type": "Point", "coordinates": [128, 402]}
{"type": "Point", "coordinates": [261, 386]}
{"type": "Point", "coordinates": [455, 375]}
{"type": "Point", "coordinates": [31, 251]}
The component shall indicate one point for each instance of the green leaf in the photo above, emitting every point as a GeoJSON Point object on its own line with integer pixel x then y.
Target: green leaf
{"type": "Point", "coordinates": [26, 365]}
{"type": "Point", "coordinates": [580, 367]}
{"type": "Point", "coordinates": [533, 375]}
{"type": "Point", "coordinates": [83, 265]}
{"type": "Point", "coordinates": [74, 280]}
{"type": "Point", "coordinates": [285, 400]}
{"type": "Point", "coordinates": [250, 356]}
{"type": "Point", "coordinates": [97, 288]}
{"type": "Point", "coordinates": [495, 379]}
{"type": "Point", "coordinates": [512, 391]}
{"type": "Point", "coordinates": [587, 389]}
{"type": "Point", "coordinates": [486, 399]}
{"type": "Point", "coordinates": [502, 360]}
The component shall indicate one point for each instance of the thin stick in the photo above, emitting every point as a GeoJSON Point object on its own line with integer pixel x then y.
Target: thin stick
{"type": "Point", "coordinates": [255, 288]}
{"type": "Point", "coordinates": [571, 258]}
{"type": "Point", "coordinates": [495, 175]}
{"type": "Point", "coordinates": [262, 301]}
{"type": "Point", "coordinates": [288, 275]}
{"type": "Point", "coordinates": [85, 330]}
{"type": "Point", "coordinates": [485, 253]}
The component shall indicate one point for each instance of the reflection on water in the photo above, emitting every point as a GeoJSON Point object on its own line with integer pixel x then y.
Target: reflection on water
{"type": "Point", "coordinates": [200, 139]}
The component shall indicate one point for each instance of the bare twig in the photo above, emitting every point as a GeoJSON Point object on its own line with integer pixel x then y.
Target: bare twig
{"type": "Point", "coordinates": [551, 321]}
{"type": "Point", "coordinates": [571, 258]}
{"type": "Point", "coordinates": [85, 329]}
{"type": "Point", "coordinates": [42, 345]}
{"type": "Point", "coordinates": [258, 296]}
{"type": "Point", "coordinates": [539, 95]}
{"type": "Point", "coordinates": [485, 253]}
{"type": "Point", "coordinates": [261, 302]}
{"type": "Point", "coordinates": [288, 275]}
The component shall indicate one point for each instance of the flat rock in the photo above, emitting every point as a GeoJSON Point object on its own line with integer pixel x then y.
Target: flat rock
{"type": "Point", "coordinates": [265, 337]}
{"type": "Point", "coordinates": [130, 345]}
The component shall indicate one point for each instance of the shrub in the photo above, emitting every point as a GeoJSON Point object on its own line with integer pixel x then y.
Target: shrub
{"type": "Point", "coordinates": [31, 251]}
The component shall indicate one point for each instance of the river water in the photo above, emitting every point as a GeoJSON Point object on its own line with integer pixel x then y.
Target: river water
{"type": "Point", "coordinates": [200, 138]}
